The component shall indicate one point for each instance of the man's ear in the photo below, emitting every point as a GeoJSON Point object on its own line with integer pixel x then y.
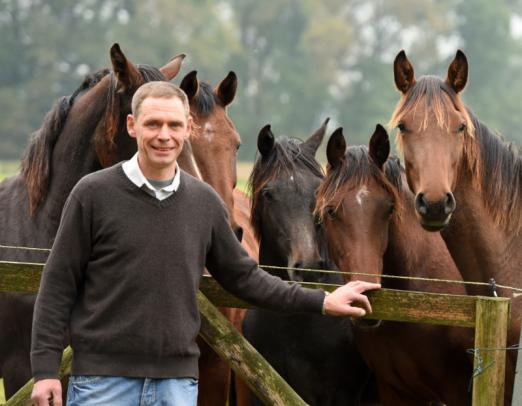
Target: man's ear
{"type": "Point", "coordinates": [190, 125]}
{"type": "Point", "coordinates": [130, 125]}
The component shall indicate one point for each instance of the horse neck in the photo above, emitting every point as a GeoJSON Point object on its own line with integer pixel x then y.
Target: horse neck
{"type": "Point", "coordinates": [187, 162]}
{"type": "Point", "coordinates": [73, 155]}
{"type": "Point", "coordinates": [481, 248]}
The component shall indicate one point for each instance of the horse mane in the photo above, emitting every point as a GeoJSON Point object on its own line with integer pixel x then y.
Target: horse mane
{"type": "Point", "coordinates": [36, 160]}
{"type": "Point", "coordinates": [287, 157]}
{"type": "Point", "coordinates": [500, 177]}
{"type": "Point", "coordinates": [355, 170]}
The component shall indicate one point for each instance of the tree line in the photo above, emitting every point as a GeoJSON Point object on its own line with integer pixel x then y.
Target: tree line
{"type": "Point", "coordinates": [298, 61]}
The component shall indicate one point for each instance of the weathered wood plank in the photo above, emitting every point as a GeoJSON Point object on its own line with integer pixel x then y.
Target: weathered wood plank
{"type": "Point", "coordinates": [490, 361]}
{"type": "Point", "coordinates": [23, 396]}
{"type": "Point", "coordinates": [387, 304]}
{"type": "Point", "coordinates": [230, 345]}
{"type": "Point", "coordinates": [417, 307]}
{"type": "Point", "coordinates": [20, 277]}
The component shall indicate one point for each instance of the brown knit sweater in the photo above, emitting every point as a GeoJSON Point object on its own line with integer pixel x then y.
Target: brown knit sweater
{"type": "Point", "coordinates": [123, 276]}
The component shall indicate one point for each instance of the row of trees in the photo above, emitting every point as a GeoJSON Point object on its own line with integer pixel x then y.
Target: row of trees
{"type": "Point", "coordinates": [298, 61]}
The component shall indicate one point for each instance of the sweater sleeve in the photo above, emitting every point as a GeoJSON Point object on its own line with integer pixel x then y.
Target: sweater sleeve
{"type": "Point", "coordinates": [238, 273]}
{"type": "Point", "coordinates": [61, 280]}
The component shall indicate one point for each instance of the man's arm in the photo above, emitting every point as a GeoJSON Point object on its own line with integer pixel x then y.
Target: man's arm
{"type": "Point", "coordinates": [61, 279]}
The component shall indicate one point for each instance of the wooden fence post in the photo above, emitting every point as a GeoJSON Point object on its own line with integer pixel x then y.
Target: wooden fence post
{"type": "Point", "coordinates": [517, 392]}
{"type": "Point", "coordinates": [257, 373]}
{"type": "Point", "coordinates": [492, 318]}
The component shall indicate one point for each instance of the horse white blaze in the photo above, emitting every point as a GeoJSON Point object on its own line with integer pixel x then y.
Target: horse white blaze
{"type": "Point", "coordinates": [208, 132]}
{"type": "Point", "coordinates": [361, 194]}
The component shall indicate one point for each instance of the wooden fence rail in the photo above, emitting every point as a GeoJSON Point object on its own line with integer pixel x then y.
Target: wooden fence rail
{"type": "Point", "coordinates": [488, 316]}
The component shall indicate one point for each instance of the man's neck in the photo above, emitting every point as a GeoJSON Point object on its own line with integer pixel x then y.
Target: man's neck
{"type": "Point", "coordinates": [160, 174]}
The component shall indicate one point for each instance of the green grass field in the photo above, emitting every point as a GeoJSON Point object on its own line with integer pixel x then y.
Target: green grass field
{"type": "Point", "coordinates": [8, 168]}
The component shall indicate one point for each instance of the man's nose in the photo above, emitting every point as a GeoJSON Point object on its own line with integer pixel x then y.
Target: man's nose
{"type": "Point", "coordinates": [164, 132]}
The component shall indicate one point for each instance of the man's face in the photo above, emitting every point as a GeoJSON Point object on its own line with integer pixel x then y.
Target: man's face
{"type": "Point", "coordinates": [160, 129]}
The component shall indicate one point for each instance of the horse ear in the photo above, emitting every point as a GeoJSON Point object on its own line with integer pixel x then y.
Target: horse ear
{"type": "Point", "coordinates": [172, 68]}
{"type": "Point", "coordinates": [458, 72]}
{"type": "Point", "coordinates": [190, 85]}
{"type": "Point", "coordinates": [336, 148]}
{"type": "Point", "coordinates": [126, 73]}
{"type": "Point", "coordinates": [314, 141]}
{"type": "Point", "coordinates": [379, 146]}
{"type": "Point", "coordinates": [265, 141]}
{"type": "Point", "coordinates": [403, 72]}
{"type": "Point", "coordinates": [226, 89]}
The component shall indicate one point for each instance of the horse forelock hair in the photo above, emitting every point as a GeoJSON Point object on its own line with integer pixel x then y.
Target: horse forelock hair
{"type": "Point", "coordinates": [287, 158]}
{"type": "Point", "coordinates": [36, 160]}
{"type": "Point", "coordinates": [205, 100]}
{"type": "Point", "coordinates": [357, 169]}
{"type": "Point", "coordinates": [432, 95]}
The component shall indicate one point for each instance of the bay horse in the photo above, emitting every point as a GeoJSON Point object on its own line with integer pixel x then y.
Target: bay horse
{"type": "Point", "coordinates": [211, 156]}
{"type": "Point", "coordinates": [364, 205]}
{"type": "Point", "coordinates": [81, 134]}
{"type": "Point", "coordinates": [467, 183]}
{"type": "Point", "coordinates": [316, 355]}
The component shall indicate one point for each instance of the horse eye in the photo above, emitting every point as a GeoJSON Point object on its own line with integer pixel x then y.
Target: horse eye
{"type": "Point", "coordinates": [391, 209]}
{"type": "Point", "coordinates": [331, 213]}
{"type": "Point", "coordinates": [401, 127]}
{"type": "Point", "coordinates": [462, 127]}
{"type": "Point", "coordinates": [267, 195]}
{"type": "Point", "coordinates": [238, 146]}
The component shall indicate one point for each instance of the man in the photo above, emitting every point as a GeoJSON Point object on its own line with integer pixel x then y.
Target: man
{"type": "Point", "coordinates": [125, 268]}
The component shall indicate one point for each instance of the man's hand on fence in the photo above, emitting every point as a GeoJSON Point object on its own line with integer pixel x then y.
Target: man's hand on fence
{"type": "Point", "coordinates": [348, 300]}
{"type": "Point", "coordinates": [47, 392]}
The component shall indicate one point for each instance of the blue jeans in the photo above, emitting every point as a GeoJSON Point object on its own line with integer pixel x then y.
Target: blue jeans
{"type": "Point", "coordinates": [122, 391]}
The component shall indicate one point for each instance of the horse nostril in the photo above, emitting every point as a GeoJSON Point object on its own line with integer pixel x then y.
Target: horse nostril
{"type": "Point", "coordinates": [449, 203]}
{"type": "Point", "coordinates": [421, 204]}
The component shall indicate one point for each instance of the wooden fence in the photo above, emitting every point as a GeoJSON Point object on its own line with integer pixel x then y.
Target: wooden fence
{"type": "Point", "coordinates": [488, 316]}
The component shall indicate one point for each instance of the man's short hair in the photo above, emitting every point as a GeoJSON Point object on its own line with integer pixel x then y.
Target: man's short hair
{"type": "Point", "coordinates": [160, 90]}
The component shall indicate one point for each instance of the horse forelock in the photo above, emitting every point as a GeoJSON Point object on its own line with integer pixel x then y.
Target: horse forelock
{"type": "Point", "coordinates": [430, 95]}
{"type": "Point", "coordinates": [205, 100]}
{"type": "Point", "coordinates": [286, 158]}
{"type": "Point", "coordinates": [36, 159]}
{"type": "Point", "coordinates": [356, 170]}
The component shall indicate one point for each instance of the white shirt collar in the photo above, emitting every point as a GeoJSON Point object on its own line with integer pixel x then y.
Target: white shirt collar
{"type": "Point", "coordinates": [134, 173]}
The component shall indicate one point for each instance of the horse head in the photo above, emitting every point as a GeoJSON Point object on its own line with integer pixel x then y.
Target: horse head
{"type": "Point", "coordinates": [356, 203]}
{"type": "Point", "coordinates": [283, 183]}
{"type": "Point", "coordinates": [435, 134]}
{"type": "Point", "coordinates": [211, 153]}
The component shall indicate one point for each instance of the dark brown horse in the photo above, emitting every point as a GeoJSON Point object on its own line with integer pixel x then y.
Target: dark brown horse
{"type": "Point", "coordinates": [467, 182]}
{"type": "Point", "coordinates": [316, 355]}
{"type": "Point", "coordinates": [210, 155]}
{"type": "Point", "coordinates": [367, 211]}
{"type": "Point", "coordinates": [81, 134]}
